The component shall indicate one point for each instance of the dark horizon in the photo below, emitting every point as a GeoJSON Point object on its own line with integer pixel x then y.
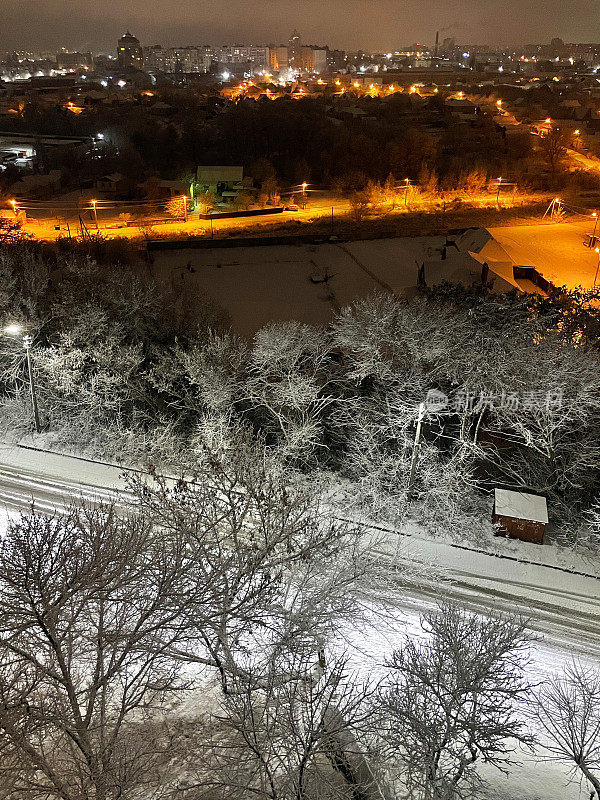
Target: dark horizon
{"type": "Point", "coordinates": [378, 25]}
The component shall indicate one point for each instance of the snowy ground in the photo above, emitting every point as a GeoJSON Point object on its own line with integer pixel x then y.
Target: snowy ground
{"type": "Point", "coordinates": [258, 285]}
{"type": "Point", "coordinates": [556, 250]}
{"type": "Point", "coordinates": [531, 778]}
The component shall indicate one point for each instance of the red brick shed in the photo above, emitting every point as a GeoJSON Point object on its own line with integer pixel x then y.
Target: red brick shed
{"type": "Point", "coordinates": [520, 515]}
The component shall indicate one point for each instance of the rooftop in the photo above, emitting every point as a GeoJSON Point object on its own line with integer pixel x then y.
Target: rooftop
{"type": "Point", "coordinates": [519, 505]}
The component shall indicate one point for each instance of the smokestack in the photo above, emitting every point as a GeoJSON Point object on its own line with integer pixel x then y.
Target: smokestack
{"type": "Point", "coordinates": [437, 43]}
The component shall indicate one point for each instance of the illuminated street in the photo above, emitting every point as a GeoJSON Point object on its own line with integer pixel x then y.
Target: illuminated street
{"type": "Point", "coordinates": [555, 249]}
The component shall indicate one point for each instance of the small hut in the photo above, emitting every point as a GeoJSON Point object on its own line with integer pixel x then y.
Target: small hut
{"type": "Point", "coordinates": [520, 515]}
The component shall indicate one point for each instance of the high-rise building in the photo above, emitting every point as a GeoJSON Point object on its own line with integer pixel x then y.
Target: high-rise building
{"type": "Point", "coordinates": [312, 59]}
{"type": "Point", "coordinates": [243, 54]}
{"type": "Point", "coordinates": [295, 51]}
{"type": "Point", "coordinates": [129, 52]}
{"type": "Point", "coordinates": [185, 60]}
{"type": "Point", "coordinates": [279, 57]}
{"type": "Point", "coordinates": [336, 60]}
{"type": "Point", "coordinates": [67, 60]}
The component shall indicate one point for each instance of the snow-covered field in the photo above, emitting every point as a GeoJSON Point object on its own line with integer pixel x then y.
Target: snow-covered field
{"type": "Point", "coordinates": [258, 285]}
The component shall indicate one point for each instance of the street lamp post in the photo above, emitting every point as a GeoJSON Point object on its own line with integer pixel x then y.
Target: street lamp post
{"type": "Point", "coordinates": [406, 185]}
{"type": "Point", "coordinates": [498, 192]}
{"type": "Point", "coordinates": [17, 330]}
{"type": "Point", "coordinates": [94, 204]}
{"type": "Point", "coordinates": [14, 207]}
{"type": "Point", "coordinates": [597, 266]}
{"type": "Point", "coordinates": [595, 216]}
{"type": "Point", "coordinates": [304, 199]}
{"type": "Point", "coordinates": [185, 209]}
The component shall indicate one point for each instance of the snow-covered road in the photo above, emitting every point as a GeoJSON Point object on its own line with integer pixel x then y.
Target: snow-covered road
{"type": "Point", "coordinates": [562, 601]}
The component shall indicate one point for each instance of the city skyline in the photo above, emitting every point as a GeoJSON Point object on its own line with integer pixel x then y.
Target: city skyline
{"type": "Point", "coordinates": [96, 26]}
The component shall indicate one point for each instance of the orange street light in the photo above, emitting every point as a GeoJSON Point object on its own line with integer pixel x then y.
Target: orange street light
{"type": "Point", "coordinates": [94, 204]}
{"type": "Point", "coordinates": [595, 216]}
{"type": "Point", "coordinates": [406, 185]}
{"type": "Point", "coordinates": [597, 265]}
{"type": "Point", "coordinates": [14, 206]}
{"type": "Point", "coordinates": [498, 192]}
{"type": "Point", "coordinates": [548, 120]}
{"type": "Point", "coordinates": [304, 188]}
{"type": "Point", "coordinates": [498, 103]}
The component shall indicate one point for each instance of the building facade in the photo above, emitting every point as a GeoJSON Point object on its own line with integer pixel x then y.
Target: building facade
{"type": "Point", "coordinates": [243, 54]}
{"type": "Point", "coordinates": [178, 59]}
{"type": "Point", "coordinates": [279, 59]}
{"type": "Point", "coordinates": [129, 52]}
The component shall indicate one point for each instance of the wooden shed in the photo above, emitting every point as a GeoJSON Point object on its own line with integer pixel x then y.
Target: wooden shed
{"type": "Point", "coordinates": [520, 515]}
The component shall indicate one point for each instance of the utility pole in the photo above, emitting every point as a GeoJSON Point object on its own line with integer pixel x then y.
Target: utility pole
{"type": "Point", "coordinates": [416, 446]}
{"type": "Point", "coordinates": [27, 342]}
{"type": "Point", "coordinates": [185, 209]}
{"type": "Point", "coordinates": [332, 220]}
{"type": "Point", "coordinates": [27, 339]}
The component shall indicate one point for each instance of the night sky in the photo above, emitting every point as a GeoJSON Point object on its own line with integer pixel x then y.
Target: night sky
{"type": "Point", "coordinates": [348, 24]}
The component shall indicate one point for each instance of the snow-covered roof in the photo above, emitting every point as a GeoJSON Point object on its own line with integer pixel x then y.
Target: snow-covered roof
{"type": "Point", "coordinates": [520, 505]}
{"type": "Point", "coordinates": [114, 177]}
{"type": "Point", "coordinates": [218, 174]}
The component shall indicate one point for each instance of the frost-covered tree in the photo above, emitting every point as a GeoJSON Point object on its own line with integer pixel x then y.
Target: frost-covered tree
{"type": "Point", "coordinates": [567, 709]}
{"type": "Point", "coordinates": [287, 392]}
{"type": "Point", "coordinates": [87, 615]}
{"type": "Point", "coordinates": [452, 700]}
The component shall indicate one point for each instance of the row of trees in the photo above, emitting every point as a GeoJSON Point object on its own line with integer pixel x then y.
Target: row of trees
{"type": "Point", "coordinates": [304, 140]}
{"type": "Point", "coordinates": [187, 646]}
{"type": "Point", "coordinates": [126, 366]}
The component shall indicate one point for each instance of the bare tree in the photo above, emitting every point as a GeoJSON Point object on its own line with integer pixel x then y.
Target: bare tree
{"type": "Point", "coordinates": [553, 147]}
{"type": "Point", "coordinates": [290, 739]}
{"type": "Point", "coordinates": [567, 709]}
{"type": "Point", "coordinates": [86, 620]}
{"type": "Point", "coordinates": [265, 567]}
{"type": "Point", "coordinates": [452, 701]}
